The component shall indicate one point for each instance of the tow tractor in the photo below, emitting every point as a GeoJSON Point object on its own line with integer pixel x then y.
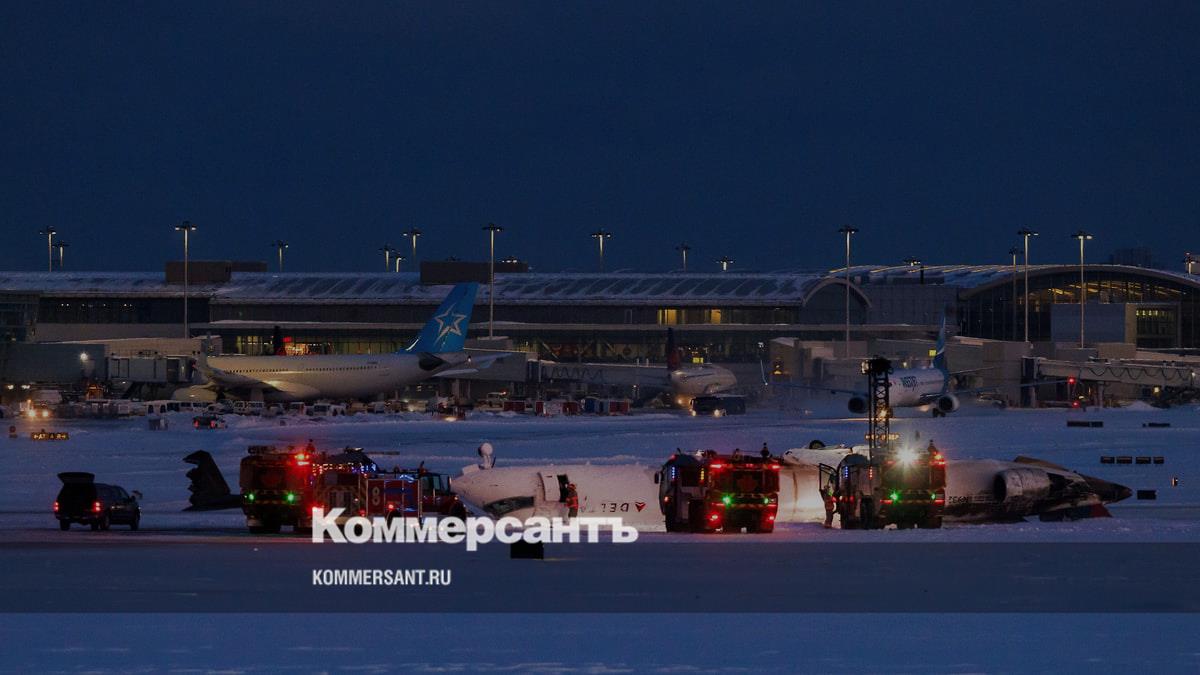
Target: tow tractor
{"type": "Point", "coordinates": [890, 485]}
{"type": "Point", "coordinates": [707, 492]}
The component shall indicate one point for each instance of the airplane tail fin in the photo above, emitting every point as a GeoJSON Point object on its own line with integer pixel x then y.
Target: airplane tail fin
{"type": "Point", "coordinates": [939, 352]}
{"type": "Point", "coordinates": [447, 330]}
{"type": "Point", "coordinates": [672, 351]}
{"type": "Point", "coordinates": [209, 490]}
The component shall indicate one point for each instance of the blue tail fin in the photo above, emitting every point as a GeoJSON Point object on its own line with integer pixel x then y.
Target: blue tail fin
{"type": "Point", "coordinates": [939, 352]}
{"type": "Point", "coordinates": [447, 330]}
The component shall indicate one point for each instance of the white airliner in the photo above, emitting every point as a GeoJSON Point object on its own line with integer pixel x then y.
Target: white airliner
{"type": "Point", "coordinates": [976, 490]}
{"type": "Point", "coordinates": [683, 383]}
{"type": "Point", "coordinates": [911, 387]}
{"type": "Point", "coordinates": [437, 352]}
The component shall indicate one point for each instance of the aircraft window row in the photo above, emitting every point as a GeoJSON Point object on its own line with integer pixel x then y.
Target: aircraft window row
{"type": "Point", "coordinates": [292, 370]}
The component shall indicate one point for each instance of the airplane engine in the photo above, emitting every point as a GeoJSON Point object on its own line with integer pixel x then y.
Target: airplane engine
{"type": "Point", "coordinates": [1016, 486]}
{"type": "Point", "coordinates": [857, 405]}
{"type": "Point", "coordinates": [947, 403]}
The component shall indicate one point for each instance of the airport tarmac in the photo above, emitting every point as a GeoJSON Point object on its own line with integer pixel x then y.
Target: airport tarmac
{"type": "Point", "coordinates": [1010, 585]}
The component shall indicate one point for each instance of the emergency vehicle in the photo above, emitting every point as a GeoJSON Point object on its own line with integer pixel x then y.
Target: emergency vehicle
{"type": "Point", "coordinates": [708, 492]}
{"type": "Point", "coordinates": [905, 488]}
{"type": "Point", "coordinates": [281, 486]}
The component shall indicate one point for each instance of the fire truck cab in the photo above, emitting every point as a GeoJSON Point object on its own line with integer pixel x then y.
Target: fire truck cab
{"type": "Point", "coordinates": [902, 487]}
{"type": "Point", "coordinates": [275, 487]}
{"type": "Point", "coordinates": [707, 492]}
{"type": "Point", "coordinates": [281, 486]}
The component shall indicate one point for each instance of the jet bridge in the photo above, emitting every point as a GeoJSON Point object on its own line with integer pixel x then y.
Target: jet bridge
{"type": "Point", "coordinates": [1136, 373]}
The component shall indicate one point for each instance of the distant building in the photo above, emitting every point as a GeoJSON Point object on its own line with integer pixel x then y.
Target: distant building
{"type": "Point", "coordinates": [719, 316]}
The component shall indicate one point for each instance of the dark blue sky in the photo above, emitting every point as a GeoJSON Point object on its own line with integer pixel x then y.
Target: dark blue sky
{"type": "Point", "coordinates": [749, 130]}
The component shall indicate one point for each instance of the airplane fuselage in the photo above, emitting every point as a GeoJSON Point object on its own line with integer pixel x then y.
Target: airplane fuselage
{"type": "Point", "coordinates": [305, 378]}
{"type": "Point", "coordinates": [629, 490]}
{"type": "Point", "coordinates": [915, 386]}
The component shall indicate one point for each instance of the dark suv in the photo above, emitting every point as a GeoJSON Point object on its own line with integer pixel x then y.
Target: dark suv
{"type": "Point", "coordinates": [83, 500]}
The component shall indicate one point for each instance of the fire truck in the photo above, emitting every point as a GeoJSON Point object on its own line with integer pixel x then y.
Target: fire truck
{"type": "Point", "coordinates": [892, 484]}
{"type": "Point", "coordinates": [280, 486]}
{"type": "Point", "coordinates": [276, 488]}
{"type": "Point", "coordinates": [902, 487]}
{"type": "Point", "coordinates": [708, 492]}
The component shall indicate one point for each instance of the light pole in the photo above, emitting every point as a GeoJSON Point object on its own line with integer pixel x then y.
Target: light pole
{"type": "Point", "coordinates": [1082, 237]}
{"type": "Point", "coordinates": [1188, 260]}
{"type": "Point", "coordinates": [187, 228]}
{"type": "Point", "coordinates": [387, 257]}
{"type": "Point", "coordinates": [600, 235]}
{"type": "Point", "coordinates": [280, 245]}
{"type": "Point", "coordinates": [492, 229]}
{"type": "Point", "coordinates": [1026, 233]}
{"type": "Point", "coordinates": [399, 259]}
{"type": "Point", "coordinates": [683, 249]}
{"type": "Point", "coordinates": [413, 234]}
{"type": "Point", "coordinates": [847, 230]}
{"type": "Point", "coordinates": [1014, 252]}
{"type": "Point", "coordinates": [61, 245]}
{"type": "Point", "coordinates": [725, 263]}
{"type": "Point", "coordinates": [49, 232]}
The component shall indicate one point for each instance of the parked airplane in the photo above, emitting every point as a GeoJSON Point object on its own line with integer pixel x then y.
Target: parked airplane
{"type": "Point", "coordinates": [682, 383]}
{"type": "Point", "coordinates": [977, 490]}
{"type": "Point", "coordinates": [911, 387]}
{"type": "Point", "coordinates": [436, 352]}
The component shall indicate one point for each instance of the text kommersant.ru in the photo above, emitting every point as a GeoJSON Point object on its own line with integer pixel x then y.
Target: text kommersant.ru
{"type": "Point", "coordinates": [471, 531]}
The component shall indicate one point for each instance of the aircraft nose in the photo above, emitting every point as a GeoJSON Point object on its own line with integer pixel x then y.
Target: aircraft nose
{"type": "Point", "coordinates": [1109, 492]}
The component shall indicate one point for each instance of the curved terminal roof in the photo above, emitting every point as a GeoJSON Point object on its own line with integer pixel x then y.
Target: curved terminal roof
{"type": "Point", "coordinates": [979, 277]}
{"type": "Point", "coordinates": [620, 288]}
{"type": "Point", "coordinates": [715, 289]}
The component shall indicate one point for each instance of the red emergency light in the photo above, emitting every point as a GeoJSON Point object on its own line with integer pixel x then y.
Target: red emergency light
{"type": "Point", "coordinates": [716, 466]}
{"type": "Point", "coordinates": [56, 507]}
{"type": "Point", "coordinates": [96, 507]}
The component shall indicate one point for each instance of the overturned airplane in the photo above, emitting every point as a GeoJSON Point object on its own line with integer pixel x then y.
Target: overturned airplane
{"type": "Point", "coordinates": [977, 490]}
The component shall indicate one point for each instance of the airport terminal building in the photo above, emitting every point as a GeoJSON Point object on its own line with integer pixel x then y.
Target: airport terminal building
{"type": "Point", "coordinates": [605, 317]}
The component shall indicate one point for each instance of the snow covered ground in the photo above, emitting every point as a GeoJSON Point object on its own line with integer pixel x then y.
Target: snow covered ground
{"type": "Point", "coordinates": [127, 453]}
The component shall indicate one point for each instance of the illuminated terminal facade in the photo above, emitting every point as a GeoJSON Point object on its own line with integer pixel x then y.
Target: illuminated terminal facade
{"type": "Point", "coordinates": [618, 316]}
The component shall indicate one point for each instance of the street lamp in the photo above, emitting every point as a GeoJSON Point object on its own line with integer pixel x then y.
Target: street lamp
{"type": "Point", "coordinates": [187, 228]}
{"type": "Point", "coordinates": [413, 234]}
{"type": "Point", "coordinates": [399, 259]}
{"type": "Point", "coordinates": [1014, 252]}
{"type": "Point", "coordinates": [725, 263]}
{"type": "Point", "coordinates": [280, 245]}
{"type": "Point", "coordinates": [1188, 260]}
{"type": "Point", "coordinates": [683, 249]}
{"type": "Point", "coordinates": [60, 246]}
{"type": "Point", "coordinates": [492, 229]}
{"type": "Point", "coordinates": [1082, 237]}
{"type": "Point", "coordinates": [511, 260]}
{"type": "Point", "coordinates": [387, 257]}
{"type": "Point", "coordinates": [847, 230]}
{"type": "Point", "coordinates": [1025, 233]}
{"type": "Point", "coordinates": [49, 232]}
{"type": "Point", "coordinates": [600, 235]}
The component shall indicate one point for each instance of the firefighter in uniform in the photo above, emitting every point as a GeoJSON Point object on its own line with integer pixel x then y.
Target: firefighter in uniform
{"type": "Point", "coordinates": [829, 496]}
{"type": "Point", "coordinates": [572, 501]}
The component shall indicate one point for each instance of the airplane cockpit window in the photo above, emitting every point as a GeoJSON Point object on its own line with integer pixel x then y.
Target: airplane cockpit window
{"type": "Point", "coordinates": [500, 507]}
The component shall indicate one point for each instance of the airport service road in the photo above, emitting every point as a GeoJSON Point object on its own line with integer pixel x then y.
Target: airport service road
{"type": "Point", "coordinates": [217, 571]}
